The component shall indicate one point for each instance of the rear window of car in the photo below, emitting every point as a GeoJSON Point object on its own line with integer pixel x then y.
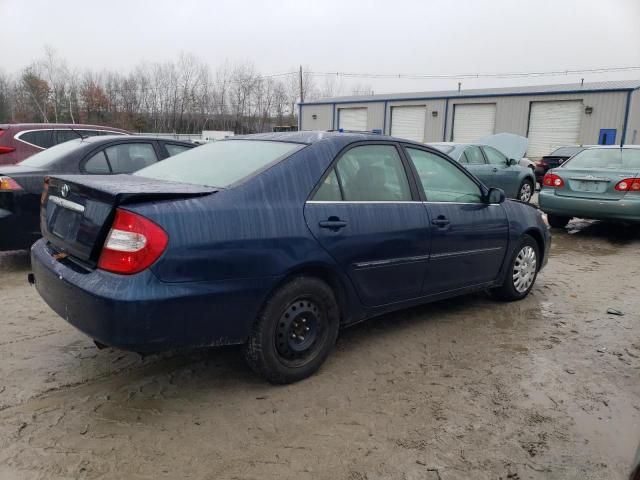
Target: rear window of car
{"type": "Point", "coordinates": [220, 164]}
{"type": "Point", "coordinates": [610, 158]}
{"type": "Point", "coordinates": [443, 148]}
{"type": "Point", "coordinates": [565, 151]}
{"type": "Point", "coordinates": [50, 155]}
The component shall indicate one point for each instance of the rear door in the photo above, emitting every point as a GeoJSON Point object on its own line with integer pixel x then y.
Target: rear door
{"type": "Point", "coordinates": [473, 160]}
{"type": "Point", "coordinates": [367, 215]}
{"type": "Point", "coordinates": [468, 236]}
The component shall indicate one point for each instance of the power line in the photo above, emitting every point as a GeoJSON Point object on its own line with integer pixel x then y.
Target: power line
{"type": "Point", "coordinates": [407, 76]}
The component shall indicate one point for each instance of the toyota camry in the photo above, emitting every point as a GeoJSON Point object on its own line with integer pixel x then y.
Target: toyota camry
{"type": "Point", "coordinates": [276, 241]}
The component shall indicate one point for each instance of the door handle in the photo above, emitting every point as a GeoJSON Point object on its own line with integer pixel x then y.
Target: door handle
{"type": "Point", "coordinates": [333, 223]}
{"type": "Point", "coordinates": [441, 221]}
{"type": "Point", "coordinates": [495, 169]}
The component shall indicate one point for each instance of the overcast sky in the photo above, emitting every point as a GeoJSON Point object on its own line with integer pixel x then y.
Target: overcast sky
{"type": "Point", "coordinates": [389, 37]}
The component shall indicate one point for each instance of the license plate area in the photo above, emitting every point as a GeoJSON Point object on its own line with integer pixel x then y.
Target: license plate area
{"type": "Point", "coordinates": [588, 186]}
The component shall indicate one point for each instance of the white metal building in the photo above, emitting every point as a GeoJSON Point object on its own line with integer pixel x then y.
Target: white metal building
{"type": "Point", "coordinates": [549, 115]}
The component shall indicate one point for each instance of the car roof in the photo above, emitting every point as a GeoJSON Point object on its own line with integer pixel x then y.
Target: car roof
{"type": "Point", "coordinates": [609, 147]}
{"type": "Point", "coordinates": [313, 136]}
{"type": "Point", "coordinates": [42, 126]}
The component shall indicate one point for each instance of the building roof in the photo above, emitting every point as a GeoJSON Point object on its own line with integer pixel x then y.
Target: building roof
{"type": "Point", "coordinates": [618, 85]}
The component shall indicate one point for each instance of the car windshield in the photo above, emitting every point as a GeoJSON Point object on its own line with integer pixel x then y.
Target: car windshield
{"type": "Point", "coordinates": [565, 151]}
{"type": "Point", "coordinates": [443, 148]}
{"type": "Point", "coordinates": [51, 155]}
{"type": "Point", "coordinates": [220, 164]}
{"type": "Point", "coordinates": [610, 158]}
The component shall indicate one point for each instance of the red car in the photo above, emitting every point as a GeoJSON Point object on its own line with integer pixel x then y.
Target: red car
{"type": "Point", "coordinates": [21, 140]}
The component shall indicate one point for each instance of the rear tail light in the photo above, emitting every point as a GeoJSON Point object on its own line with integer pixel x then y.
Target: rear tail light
{"type": "Point", "coordinates": [45, 190]}
{"type": "Point", "coordinates": [133, 244]}
{"type": "Point", "coordinates": [628, 185]}
{"type": "Point", "coordinates": [8, 183]}
{"type": "Point", "coordinates": [5, 149]}
{"type": "Point", "coordinates": [552, 180]}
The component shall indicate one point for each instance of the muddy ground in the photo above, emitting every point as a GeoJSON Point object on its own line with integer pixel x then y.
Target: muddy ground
{"type": "Point", "coordinates": [546, 388]}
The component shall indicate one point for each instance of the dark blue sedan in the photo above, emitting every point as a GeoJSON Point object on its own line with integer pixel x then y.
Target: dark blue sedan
{"type": "Point", "coordinates": [275, 241]}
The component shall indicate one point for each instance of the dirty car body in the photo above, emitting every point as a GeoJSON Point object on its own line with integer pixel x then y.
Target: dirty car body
{"type": "Point", "coordinates": [232, 240]}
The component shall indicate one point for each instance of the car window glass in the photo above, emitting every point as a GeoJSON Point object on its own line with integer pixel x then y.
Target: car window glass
{"type": "Point", "coordinates": [442, 181]}
{"type": "Point", "coordinates": [39, 138]}
{"type": "Point", "coordinates": [474, 155]}
{"type": "Point", "coordinates": [613, 158]}
{"type": "Point", "coordinates": [174, 149]}
{"type": "Point", "coordinates": [89, 133]}
{"type": "Point", "coordinates": [373, 173]}
{"type": "Point", "coordinates": [97, 164]}
{"type": "Point", "coordinates": [65, 135]}
{"type": "Point", "coordinates": [329, 191]}
{"type": "Point", "coordinates": [463, 158]}
{"type": "Point", "coordinates": [494, 156]}
{"type": "Point", "coordinates": [129, 157]}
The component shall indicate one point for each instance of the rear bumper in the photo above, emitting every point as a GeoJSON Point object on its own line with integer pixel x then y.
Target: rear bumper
{"type": "Point", "coordinates": [625, 209]}
{"type": "Point", "coordinates": [141, 313]}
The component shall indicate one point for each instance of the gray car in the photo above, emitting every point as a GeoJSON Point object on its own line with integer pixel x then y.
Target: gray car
{"type": "Point", "coordinates": [493, 168]}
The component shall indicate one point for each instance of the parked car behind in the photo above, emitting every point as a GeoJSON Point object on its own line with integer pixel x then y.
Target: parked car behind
{"type": "Point", "coordinates": [275, 241]}
{"type": "Point", "coordinates": [493, 168]}
{"type": "Point", "coordinates": [21, 185]}
{"type": "Point", "coordinates": [554, 159]}
{"type": "Point", "coordinates": [19, 141]}
{"type": "Point", "coordinates": [598, 182]}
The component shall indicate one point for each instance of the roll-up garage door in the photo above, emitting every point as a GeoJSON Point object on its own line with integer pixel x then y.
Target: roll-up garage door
{"type": "Point", "coordinates": [553, 124]}
{"type": "Point", "coordinates": [473, 121]}
{"type": "Point", "coordinates": [353, 119]}
{"type": "Point", "coordinates": [408, 122]}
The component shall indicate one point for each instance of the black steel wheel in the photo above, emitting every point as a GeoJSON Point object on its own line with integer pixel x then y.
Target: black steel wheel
{"type": "Point", "coordinates": [294, 333]}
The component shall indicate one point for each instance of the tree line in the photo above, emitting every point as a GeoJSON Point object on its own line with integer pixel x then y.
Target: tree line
{"type": "Point", "coordinates": [182, 96]}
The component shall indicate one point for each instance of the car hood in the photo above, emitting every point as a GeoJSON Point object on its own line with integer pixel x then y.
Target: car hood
{"type": "Point", "coordinates": [513, 146]}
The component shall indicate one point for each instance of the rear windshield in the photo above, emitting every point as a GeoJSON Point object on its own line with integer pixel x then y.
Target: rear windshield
{"type": "Point", "coordinates": [49, 156]}
{"type": "Point", "coordinates": [613, 158]}
{"type": "Point", "coordinates": [443, 148]}
{"type": "Point", "coordinates": [220, 164]}
{"type": "Point", "coordinates": [565, 151]}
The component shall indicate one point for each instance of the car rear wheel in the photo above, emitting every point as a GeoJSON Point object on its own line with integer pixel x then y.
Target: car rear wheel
{"type": "Point", "coordinates": [295, 331]}
{"type": "Point", "coordinates": [522, 273]}
{"type": "Point", "coordinates": [557, 221]}
{"type": "Point", "coordinates": [526, 191]}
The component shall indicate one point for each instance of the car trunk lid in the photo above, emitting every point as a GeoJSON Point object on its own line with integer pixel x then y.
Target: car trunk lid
{"type": "Point", "coordinates": [77, 211]}
{"type": "Point", "coordinates": [592, 183]}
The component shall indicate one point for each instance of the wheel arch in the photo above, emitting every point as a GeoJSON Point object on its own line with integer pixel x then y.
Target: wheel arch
{"type": "Point", "coordinates": [537, 236]}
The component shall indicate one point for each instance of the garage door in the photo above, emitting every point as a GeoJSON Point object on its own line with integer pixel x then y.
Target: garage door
{"type": "Point", "coordinates": [408, 122]}
{"type": "Point", "coordinates": [353, 119]}
{"type": "Point", "coordinates": [553, 124]}
{"type": "Point", "coordinates": [474, 121]}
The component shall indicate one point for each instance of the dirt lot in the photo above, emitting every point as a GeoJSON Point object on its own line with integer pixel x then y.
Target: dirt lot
{"type": "Point", "coordinates": [547, 388]}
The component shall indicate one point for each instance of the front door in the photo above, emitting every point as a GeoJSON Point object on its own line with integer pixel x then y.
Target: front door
{"type": "Point", "coordinates": [468, 236]}
{"type": "Point", "coordinates": [505, 175]}
{"type": "Point", "coordinates": [365, 215]}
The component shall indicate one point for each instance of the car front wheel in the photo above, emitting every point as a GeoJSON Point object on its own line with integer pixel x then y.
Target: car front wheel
{"type": "Point", "coordinates": [295, 331]}
{"type": "Point", "coordinates": [522, 272]}
{"type": "Point", "coordinates": [526, 191]}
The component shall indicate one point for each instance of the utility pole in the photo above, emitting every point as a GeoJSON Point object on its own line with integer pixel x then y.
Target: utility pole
{"type": "Point", "coordinates": [301, 88]}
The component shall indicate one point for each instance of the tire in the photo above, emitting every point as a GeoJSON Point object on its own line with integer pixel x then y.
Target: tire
{"type": "Point", "coordinates": [294, 332]}
{"type": "Point", "coordinates": [525, 192]}
{"type": "Point", "coordinates": [557, 221]}
{"type": "Point", "coordinates": [522, 272]}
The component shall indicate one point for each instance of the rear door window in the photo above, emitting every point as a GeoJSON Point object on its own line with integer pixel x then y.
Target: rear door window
{"type": "Point", "coordinates": [97, 164]}
{"type": "Point", "coordinates": [130, 157]}
{"type": "Point", "coordinates": [368, 173]}
{"type": "Point", "coordinates": [173, 149]}
{"type": "Point", "coordinates": [474, 156]}
{"type": "Point", "coordinates": [39, 138]}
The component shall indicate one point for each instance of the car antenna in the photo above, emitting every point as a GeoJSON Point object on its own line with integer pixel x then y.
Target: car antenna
{"type": "Point", "coordinates": [77, 133]}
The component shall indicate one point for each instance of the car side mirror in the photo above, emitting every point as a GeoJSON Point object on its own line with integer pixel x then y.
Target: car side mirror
{"type": "Point", "coordinates": [512, 161]}
{"type": "Point", "coordinates": [496, 195]}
